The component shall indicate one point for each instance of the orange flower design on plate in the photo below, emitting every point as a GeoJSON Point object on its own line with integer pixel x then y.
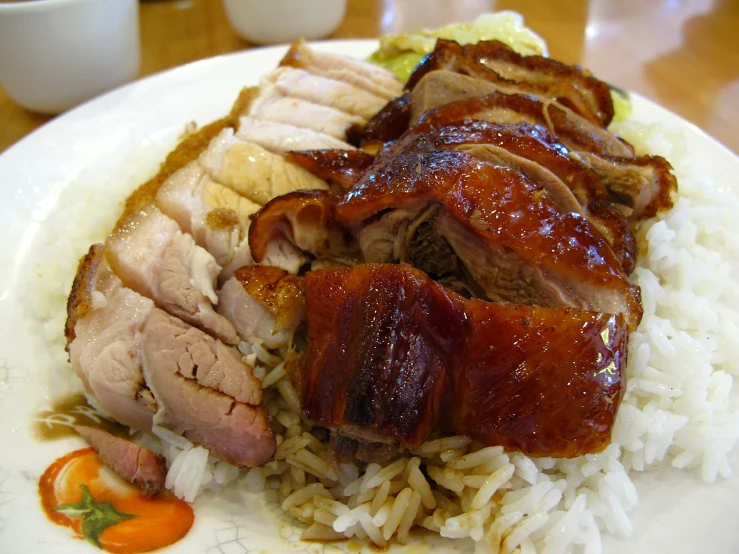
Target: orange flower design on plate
{"type": "Point", "coordinates": [78, 491]}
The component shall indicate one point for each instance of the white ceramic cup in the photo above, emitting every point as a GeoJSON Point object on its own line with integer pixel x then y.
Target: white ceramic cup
{"type": "Point", "coordinates": [276, 21]}
{"type": "Point", "coordinates": [55, 54]}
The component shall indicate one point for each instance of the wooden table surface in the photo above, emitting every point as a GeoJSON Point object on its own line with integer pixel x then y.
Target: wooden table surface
{"type": "Point", "coordinates": [683, 54]}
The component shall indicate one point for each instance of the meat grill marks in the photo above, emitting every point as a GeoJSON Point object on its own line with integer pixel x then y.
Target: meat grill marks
{"type": "Point", "coordinates": [148, 369]}
{"type": "Point", "coordinates": [392, 355]}
{"type": "Point", "coordinates": [513, 74]}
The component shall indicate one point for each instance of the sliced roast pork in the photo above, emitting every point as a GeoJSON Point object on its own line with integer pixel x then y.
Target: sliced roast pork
{"type": "Point", "coordinates": [486, 226]}
{"type": "Point", "coordinates": [264, 303]}
{"type": "Point", "coordinates": [103, 331]}
{"type": "Point", "coordinates": [204, 392]}
{"type": "Point", "coordinates": [155, 258]}
{"type": "Point", "coordinates": [364, 75]}
{"type": "Point", "coordinates": [280, 138]}
{"type": "Point", "coordinates": [149, 369]}
{"type": "Point", "coordinates": [215, 216]}
{"type": "Point", "coordinates": [393, 356]}
{"type": "Point", "coordinates": [252, 171]}
{"type": "Point", "coordinates": [345, 97]}
{"type": "Point", "coordinates": [133, 463]}
{"type": "Point", "coordinates": [272, 105]}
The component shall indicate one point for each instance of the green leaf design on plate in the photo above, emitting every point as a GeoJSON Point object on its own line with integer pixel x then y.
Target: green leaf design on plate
{"type": "Point", "coordinates": [96, 516]}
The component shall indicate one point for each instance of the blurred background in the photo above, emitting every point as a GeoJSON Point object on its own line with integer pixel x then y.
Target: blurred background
{"type": "Point", "coordinates": [683, 54]}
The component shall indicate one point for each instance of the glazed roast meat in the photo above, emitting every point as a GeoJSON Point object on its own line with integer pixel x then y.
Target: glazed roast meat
{"type": "Point", "coordinates": [446, 257]}
{"type": "Point", "coordinates": [393, 356]}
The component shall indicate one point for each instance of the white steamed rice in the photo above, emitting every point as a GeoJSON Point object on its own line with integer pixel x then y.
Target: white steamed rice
{"type": "Point", "coordinates": [678, 408]}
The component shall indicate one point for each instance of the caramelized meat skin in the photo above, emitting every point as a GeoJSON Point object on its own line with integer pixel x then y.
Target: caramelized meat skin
{"type": "Point", "coordinates": [540, 147]}
{"type": "Point", "coordinates": [375, 364]}
{"type": "Point", "coordinates": [391, 121]}
{"type": "Point", "coordinates": [543, 381]}
{"type": "Point", "coordinates": [276, 290]}
{"type": "Point", "coordinates": [304, 219]}
{"type": "Point", "coordinates": [338, 167]}
{"type": "Point", "coordinates": [546, 72]}
{"type": "Point", "coordinates": [392, 355]}
{"type": "Point", "coordinates": [518, 108]}
{"type": "Point", "coordinates": [563, 260]}
{"type": "Point", "coordinates": [451, 56]}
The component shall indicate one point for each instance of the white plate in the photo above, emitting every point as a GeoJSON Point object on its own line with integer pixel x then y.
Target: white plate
{"type": "Point", "coordinates": [94, 143]}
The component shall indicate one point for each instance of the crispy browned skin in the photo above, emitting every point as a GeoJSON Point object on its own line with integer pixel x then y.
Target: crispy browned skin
{"type": "Point", "coordinates": [527, 110]}
{"type": "Point", "coordinates": [544, 381]}
{"type": "Point", "coordinates": [79, 301]}
{"type": "Point", "coordinates": [306, 219]}
{"type": "Point", "coordinates": [277, 290]}
{"type": "Point", "coordinates": [392, 355]}
{"type": "Point", "coordinates": [546, 72]}
{"type": "Point", "coordinates": [375, 364]}
{"type": "Point", "coordinates": [186, 151]}
{"type": "Point", "coordinates": [391, 121]}
{"type": "Point", "coordinates": [451, 56]}
{"type": "Point", "coordinates": [537, 145]}
{"type": "Point", "coordinates": [495, 206]}
{"type": "Point", "coordinates": [340, 167]}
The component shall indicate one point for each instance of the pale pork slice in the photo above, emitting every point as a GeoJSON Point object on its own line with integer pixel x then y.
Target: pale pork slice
{"type": "Point", "coordinates": [205, 393]}
{"type": "Point", "coordinates": [280, 138]}
{"type": "Point", "coordinates": [215, 215]}
{"type": "Point", "coordinates": [252, 171]}
{"type": "Point", "coordinates": [365, 75]}
{"type": "Point", "coordinates": [272, 105]}
{"type": "Point", "coordinates": [155, 258]}
{"type": "Point", "coordinates": [150, 369]}
{"type": "Point", "coordinates": [264, 303]}
{"type": "Point", "coordinates": [133, 463]}
{"type": "Point", "coordinates": [348, 98]}
{"type": "Point", "coordinates": [103, 339]}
